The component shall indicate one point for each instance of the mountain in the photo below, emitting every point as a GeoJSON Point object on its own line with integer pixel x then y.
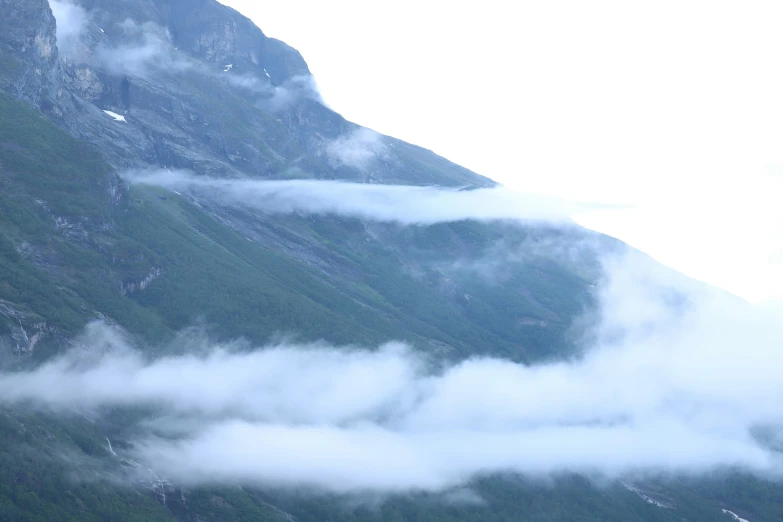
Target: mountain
{"type": "Point", "coordinates": [167, 124]}
{"type": "Point", "coordinates": [175, 84]}
{"type": "Point", "coordinates": [193, 80]}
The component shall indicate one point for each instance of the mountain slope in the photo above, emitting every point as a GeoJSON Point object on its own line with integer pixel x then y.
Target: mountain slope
{"type": "Point", "coordinates": [253, 288]}
{"type": "Point", "coordinates": [84, 254]}
{"type": "Point", "coordinates": [78, 244]}
{"type": "Point", "coordinates": [165, 67]}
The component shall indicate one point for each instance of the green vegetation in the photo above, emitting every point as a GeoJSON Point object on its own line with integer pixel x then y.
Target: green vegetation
{"type": "Point", "coordinates": [48, 471]}
{"type": "Point", "coordinates": [69, 253]}
{"type": "Point", "coordinates": [75, 246]}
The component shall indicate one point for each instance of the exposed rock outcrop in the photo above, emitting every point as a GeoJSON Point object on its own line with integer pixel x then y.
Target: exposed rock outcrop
{"type": "Point", "coordinates": [198, 86]}
{"type": "Point", "coordinates": [28, 51]}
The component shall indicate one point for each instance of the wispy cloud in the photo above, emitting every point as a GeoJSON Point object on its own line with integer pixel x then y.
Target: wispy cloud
{"type": "Point", "coordinates": [283, 97]}
{"type": "Point", "coordinates": [357, 149]}
{"type": "Point", "coordinates": [71, 23]}
{"type": "Point", "coordinates": [272, 98]}
{"type": "Point", "coordinates": [682, 387]}
{"type": "Point", "coordinates": [145, 48]}
{"type": "Point", "coordinates": [390, 203]}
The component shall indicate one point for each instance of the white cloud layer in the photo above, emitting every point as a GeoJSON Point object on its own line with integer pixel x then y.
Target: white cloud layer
{"type": "Point", "coordinates": [626, 115]}
{"type": "Point", "coordinates": [666, 387]}
{"type": "Point", "coordinates": [391, 203]}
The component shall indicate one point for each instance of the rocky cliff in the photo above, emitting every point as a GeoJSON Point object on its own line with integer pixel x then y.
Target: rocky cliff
{"type": "Point", "coordinates": [194, 85]}
{"type": "Point", "coordinates": [28, 51]}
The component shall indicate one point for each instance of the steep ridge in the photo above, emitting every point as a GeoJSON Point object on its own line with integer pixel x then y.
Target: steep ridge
{"type": "Point", "coordinates": [200, 87]}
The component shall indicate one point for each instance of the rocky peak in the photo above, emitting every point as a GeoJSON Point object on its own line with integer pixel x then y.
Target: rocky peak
{"type": "Point", "coordinates": [192, 84]}
{"type": "Point", "coordinates": [208, 31]}
{"type": "Point", "coordinates": [216, 33]}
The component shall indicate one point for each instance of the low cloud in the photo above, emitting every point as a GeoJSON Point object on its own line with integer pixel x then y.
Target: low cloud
{"type": "Point", "coordinates": [357, 149]}
{"type": "Point", "coordinates": [388, 203]}
{"type": "Point", "coordinates": [145, 48]}
{"type": "Point", "coordinates": [71, 24]}
{"type": "Point", "coordinates": [280, 98]}
{"type": "Point", "coordinates": [686, 387]}
{"type": "Point", "coordinates": [273, 98]}
{"type": "Point", "coordinates": [142, 48]}
{"type": "Point", "coordinates": [286, 383]}
{"type": "Point", "coordinates": [578, 249]}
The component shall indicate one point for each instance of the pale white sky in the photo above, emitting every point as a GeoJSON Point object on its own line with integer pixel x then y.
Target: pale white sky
{"type": "Point", "coordinates": [674, 107]}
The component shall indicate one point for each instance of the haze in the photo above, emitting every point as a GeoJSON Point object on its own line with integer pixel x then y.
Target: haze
{"type": "Point", "coordinates": [673, 107]}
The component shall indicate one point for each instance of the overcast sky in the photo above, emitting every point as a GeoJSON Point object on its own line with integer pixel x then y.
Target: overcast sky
{"type": "Point", "coordinates": [674, 107]}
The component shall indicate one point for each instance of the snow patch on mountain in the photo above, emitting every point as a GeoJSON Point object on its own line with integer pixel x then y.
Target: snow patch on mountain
{"type": "Point", "coordinates": [117, 117]}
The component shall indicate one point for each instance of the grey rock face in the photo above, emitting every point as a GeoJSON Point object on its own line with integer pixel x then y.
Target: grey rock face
{"type": "Point", "coordinates": [215, 33]}
{"type": "Point", "coordinates": [28, 50]}
{"type": "Point", "coordinates": [207, 31]}
{"type": "Point", "coordinates": [192, 85]}
{"type": "Point", "coordinates": [200, 87]}
{"type": "Point", "coordinates": [25, 330]}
